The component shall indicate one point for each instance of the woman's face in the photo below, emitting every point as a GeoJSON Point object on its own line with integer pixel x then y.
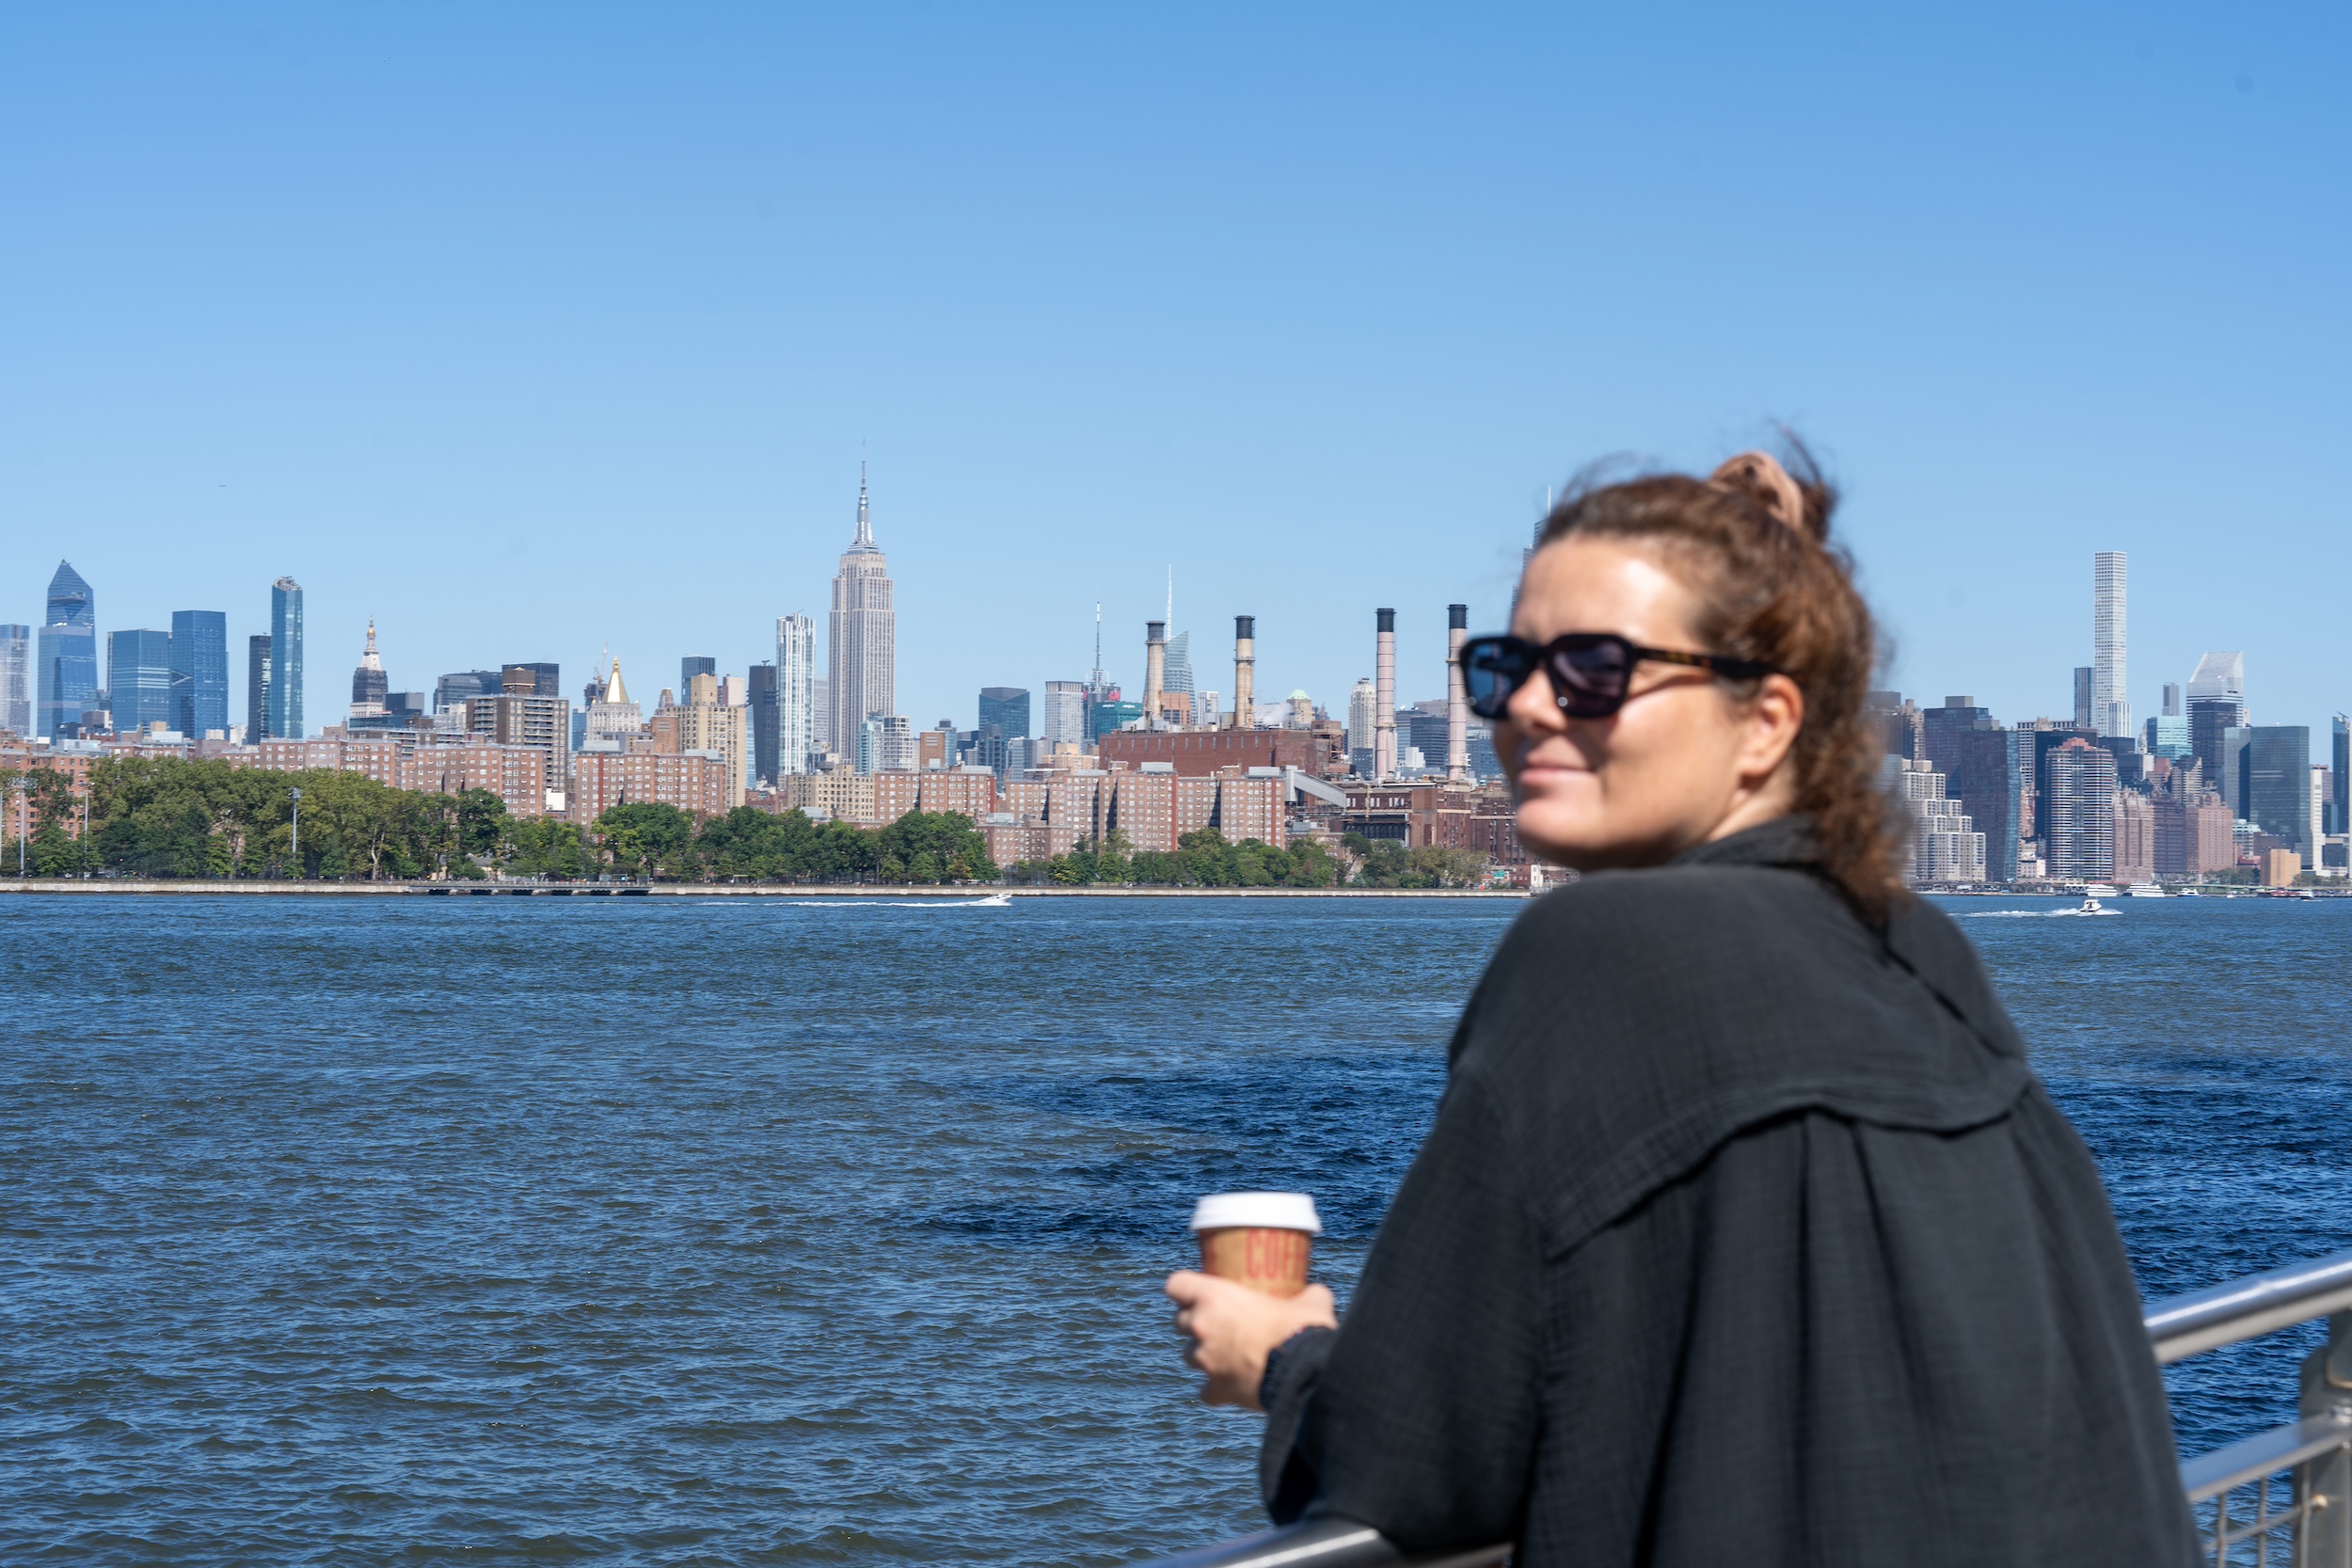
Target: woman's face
{"type": "Point", "coordinates": [1684, 761]}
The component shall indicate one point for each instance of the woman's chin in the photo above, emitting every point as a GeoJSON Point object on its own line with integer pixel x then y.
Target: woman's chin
{"type": "Point", "coordinates": [1556, 833]}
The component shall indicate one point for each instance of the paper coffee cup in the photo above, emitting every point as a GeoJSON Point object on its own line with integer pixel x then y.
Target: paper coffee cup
{"type": "Point", "coordinates": [1261, 1240]}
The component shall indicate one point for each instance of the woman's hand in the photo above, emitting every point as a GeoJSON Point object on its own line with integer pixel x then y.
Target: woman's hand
{"type": "Point", "coordinates": [1232, 1329]}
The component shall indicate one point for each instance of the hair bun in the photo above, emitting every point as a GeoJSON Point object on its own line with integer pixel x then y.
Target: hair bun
{"type": "Point", "coordinates": [1759, 476]}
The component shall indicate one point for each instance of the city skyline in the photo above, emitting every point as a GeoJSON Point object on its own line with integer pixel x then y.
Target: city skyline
{"type": "Point", "coordinates": [2200, 787]}
{"type": "Point", "coordinates": [2109, 643]}
{"type": "Point", "coordinates": [1322, 348]}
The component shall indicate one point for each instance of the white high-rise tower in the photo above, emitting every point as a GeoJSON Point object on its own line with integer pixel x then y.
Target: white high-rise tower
{"type": "Point", "coordinates": [862, 637]}
{"type": "Point", "coordinates": [2111, 700]}
{"type": "Point", "coordinates": [796, 692]}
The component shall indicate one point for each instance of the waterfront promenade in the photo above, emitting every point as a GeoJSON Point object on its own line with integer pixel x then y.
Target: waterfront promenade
{"type": "Point", "coordinates": [718, 890]}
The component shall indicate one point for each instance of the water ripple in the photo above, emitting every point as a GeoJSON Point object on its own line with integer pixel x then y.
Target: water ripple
{"type": "Point", "coordinates": [528, 1231]}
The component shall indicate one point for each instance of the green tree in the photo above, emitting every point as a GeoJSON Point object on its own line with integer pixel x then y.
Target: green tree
{"type": "Point", "coordinates": [647, 838]}
{"type": "Point", "coordinates": [1380, 863]}
{"type": "Point", "coordinates": [1443, 867]}
{"type": "Point", "coordinates": [545, 846]}
{"type": "Point", "coordinates": [481, 822]}
{"type": "Point", "coordinates": [933, 846]}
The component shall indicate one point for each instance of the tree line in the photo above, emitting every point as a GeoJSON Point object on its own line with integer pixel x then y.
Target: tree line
{"type": "Point", "coordinates": [168, 817]}
{"type": "Point", "coordinates": [1204, 858]}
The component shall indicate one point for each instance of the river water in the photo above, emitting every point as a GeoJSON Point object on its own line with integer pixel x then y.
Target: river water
{"type": "Point", "coordinates": [429, 1231]}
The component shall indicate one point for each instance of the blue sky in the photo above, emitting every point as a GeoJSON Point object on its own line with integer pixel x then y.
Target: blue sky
{"type": "Point", "coordinates": [532, 330]}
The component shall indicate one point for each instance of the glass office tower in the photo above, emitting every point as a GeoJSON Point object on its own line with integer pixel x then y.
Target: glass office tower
{"type": "Point", "coordinates": [16, 681]}
{"type": "Point", "coordinates": [256, 689]}
{"type": "Point", "coordinates": [66, 666]}
{"type": "Point", "coordinates": [2275, 784]}
{"type": "Point", "coordinates": [285, 660]}
{"type": "Point", "coordinates": [199, 672]}
{"type": "Point", "coordinates": [138, 679]}
{"type": "Point", "coordinates": [1007, 708]}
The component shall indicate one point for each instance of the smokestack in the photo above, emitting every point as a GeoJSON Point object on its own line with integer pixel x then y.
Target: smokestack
{"type": "Point", "coordinates": [1155, 670]}
{"type": "Point", "coordinates": [1245, 664]}
{"type": "Point", "coordinates": [1384, 697]}
{"type": "Point", "coordinates": [1456, 698]}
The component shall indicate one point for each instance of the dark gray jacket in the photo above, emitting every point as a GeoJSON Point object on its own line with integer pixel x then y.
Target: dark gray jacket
{"type": "Point", "coordinates": [1745, 1236]}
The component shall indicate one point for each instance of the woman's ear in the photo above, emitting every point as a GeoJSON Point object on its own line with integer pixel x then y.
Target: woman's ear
{"type": "Point", "coordinates": [1774, 716]}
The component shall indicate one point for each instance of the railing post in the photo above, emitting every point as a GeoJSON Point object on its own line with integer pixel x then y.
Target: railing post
{"type": "Point", "coordinates": [2324, 1533]}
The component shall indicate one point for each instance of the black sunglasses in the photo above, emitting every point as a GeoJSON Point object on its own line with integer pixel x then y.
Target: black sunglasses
{"type": "Point", "coordinates": [1590, 671]}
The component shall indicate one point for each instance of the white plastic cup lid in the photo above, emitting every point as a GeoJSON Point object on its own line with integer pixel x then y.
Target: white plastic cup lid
{"type": "Point", "coordinates": [1257, 1212]}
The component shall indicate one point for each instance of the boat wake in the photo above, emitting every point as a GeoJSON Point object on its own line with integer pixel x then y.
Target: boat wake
{"type": "Point", "coordinates": [995, 901]}
{"type": "Point", "coordinates": [2035, 914]}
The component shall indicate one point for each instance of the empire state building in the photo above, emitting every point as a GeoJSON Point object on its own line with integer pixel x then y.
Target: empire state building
{"type": "Point", "coordinates": [862, 637]}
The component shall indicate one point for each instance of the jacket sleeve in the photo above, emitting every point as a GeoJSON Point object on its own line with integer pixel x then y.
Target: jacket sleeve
{"type": "Point", "coordinates": [1420, 1415]}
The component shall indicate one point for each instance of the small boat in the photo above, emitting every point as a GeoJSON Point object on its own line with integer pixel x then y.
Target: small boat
{"type": "Point", "coordinates": [2091, 906]}
{"type": "Point", "coordinates": [2100, 890]}
{"type": "Point", "coordinates": [2144, 889]}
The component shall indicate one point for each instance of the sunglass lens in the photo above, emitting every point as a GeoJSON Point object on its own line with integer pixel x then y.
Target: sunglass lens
{"type": "Point", "coordinates": [1490, 674]}
{"type": "Point", "coordinates": [1591, 680]}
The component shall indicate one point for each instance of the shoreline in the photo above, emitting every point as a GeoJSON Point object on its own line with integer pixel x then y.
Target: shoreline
{"type": "Point", "coordinates": [103, 887]}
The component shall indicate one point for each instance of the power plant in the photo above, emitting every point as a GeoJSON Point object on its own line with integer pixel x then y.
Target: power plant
{"type": "Point", "coordinates": [1245, 665]}
{"type": "Point", "coordinates": [1456, 697]}
{"type": "Point", "coordinates": [1391, 745]}
{"type": "Point", "coordinates": [1384, 696]}
{"type": "Point", "coordinates": [1155, 671]}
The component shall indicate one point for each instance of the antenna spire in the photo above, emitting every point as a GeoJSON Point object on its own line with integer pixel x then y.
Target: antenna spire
{"type": "Point", "coordinates": [865, 540]}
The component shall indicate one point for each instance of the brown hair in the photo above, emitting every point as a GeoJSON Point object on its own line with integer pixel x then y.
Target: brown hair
{"type": "Point", "coordinates": [1751, 542]}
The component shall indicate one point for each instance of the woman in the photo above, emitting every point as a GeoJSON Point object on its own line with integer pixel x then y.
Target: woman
{"type": "Point", "coordinates": [1744, 1234]}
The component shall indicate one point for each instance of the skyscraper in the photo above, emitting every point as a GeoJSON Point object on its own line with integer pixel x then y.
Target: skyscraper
{"type": "Point", "coordinates": [2085, 711]}
{"type": "Point", "coordinates": [1006, 710]}
{"type": "Point", "coordinates": [797, 731]}
{"type": "Point", "coordinates": [66, 668]}
{"type": "Point", "coordinates": [16, 680]}
{"type": "Point", "coordinates": [2111, 697]}
{"type": "Point", "coordinates": [2216, 705]}
{"type": "Point", "coordinates": [707, 722]}
{"type": "Point", "coordinates": [885, 744]}
{"type": "Point", "coordinates": [285, 666]}
{"type": "Point", "coordinates": [861, 636]}
{"type": "Point", "coordinates": [612, 720]}
{"type": "Point", "coordinates": [2340, 809]}
{"type": "Point", "coordinates": [256, 689]}
{"type": "Point", "coordinates": [692, 665]}
{"type": "Point", "coordinates": [138, 679]}
{"type": "Point", "coordinates": [1360, 707]}
{"type": "Point", "coordinates": [368, 683]}
{"type": "Point", "coordinates": [1176, 673]}
{"type": "Point", "coordinates": [199, 673]}
{"type": "Point", "coordinates": [2233, 779]}
{"type": "Point", "coordinates": [761, 700]}
{"type": "Point", "coordinates": [1065, 712]}
{"type": "Point", "coordinates": [2081, 829]}
{"type": "Point", "coordinates": [2275, 784]}
{"type": "Point", "coordinates": [452, 692]}
{"type": "Point", "coordinates": [1983, 769]}
{"type": "Point", "coordinates": [547, 678]}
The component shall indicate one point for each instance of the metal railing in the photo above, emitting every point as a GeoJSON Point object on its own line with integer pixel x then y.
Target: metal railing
{"type": "Point", "coordinates": [2281, 1497]}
